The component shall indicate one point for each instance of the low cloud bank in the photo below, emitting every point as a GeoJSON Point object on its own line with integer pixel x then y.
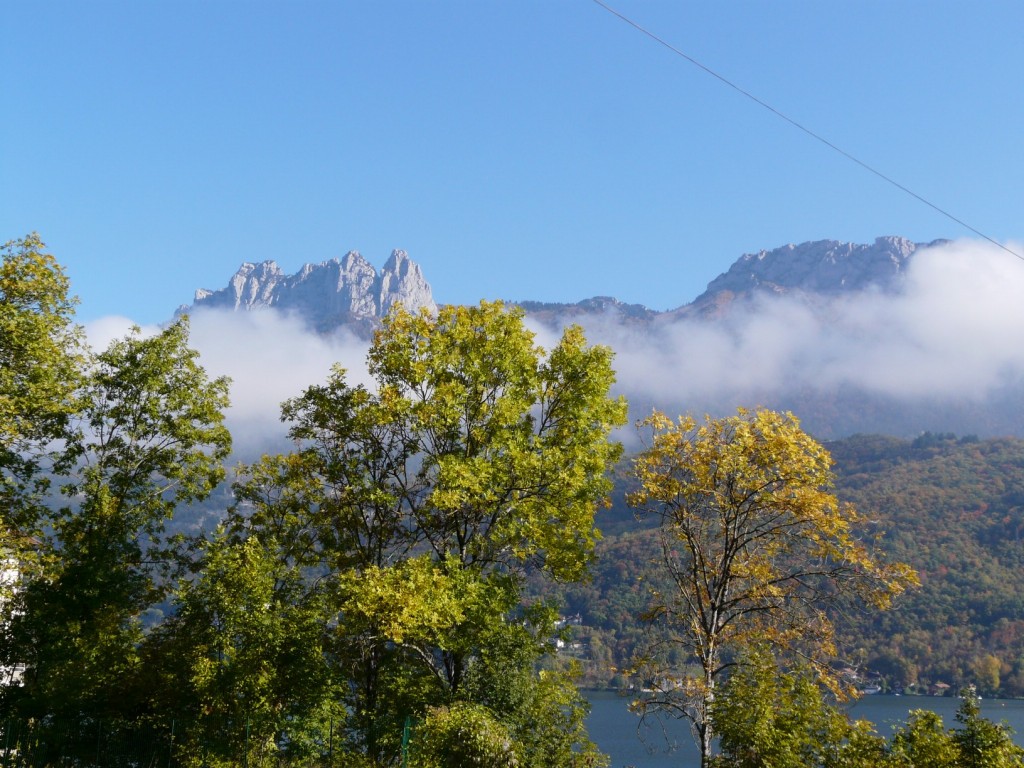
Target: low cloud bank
{"type": "Point", "coordinates": [955, 331]}
{"type": "Point", "coordinates": [953, 335]}
{"type": "Point", "coordinates": [269, 357]}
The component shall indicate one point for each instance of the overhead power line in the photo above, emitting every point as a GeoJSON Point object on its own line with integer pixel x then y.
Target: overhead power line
{"type": "Point", "coordinates": [682, 54]}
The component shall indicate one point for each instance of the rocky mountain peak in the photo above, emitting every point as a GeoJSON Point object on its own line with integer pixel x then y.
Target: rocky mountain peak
{"type": "Point", "coordinates": [326, 295]}
{"type": "Point", "coordinates": [251, 285]}
{"type": "Point", "coordinates": [822, 267]}
{"type": "Point", "coordinates": [399, 261]}
{"type": "Point", "coordinates": [402, 282]}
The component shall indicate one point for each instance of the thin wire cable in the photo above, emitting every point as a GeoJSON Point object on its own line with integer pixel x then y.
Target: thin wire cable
{"type": "Point", "coordinates": [808, 131]}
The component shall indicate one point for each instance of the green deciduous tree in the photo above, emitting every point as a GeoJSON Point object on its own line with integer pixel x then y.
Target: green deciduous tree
{"type": "Point", "coordinates": [764, 717]}
{"type": "Point", "coordinates": [149, 438]}
{"type": "Point", "coordinates": [40, 349]}
{"type": "Point", "coordinates": [419, 505]}
{"type": "Point", "coordinates": [152, 429]}
{"type": "Point", "coordinates": [923, 742]}
{"type": "Point", "coordinates": [462, 735]}
{"type": "Point", "coordinates": [980, 743]}
{"type": "Point", "coordinates": [38, 342]}
{"type": "Point", "coordinates": [757, 547]}
{"type": "Point", "coordinates": [510, 444]}
{"type": "Point", "coordinates": [243, 660]}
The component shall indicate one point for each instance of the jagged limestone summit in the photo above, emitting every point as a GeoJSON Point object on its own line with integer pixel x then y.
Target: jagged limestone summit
{"type": "Point", "coordinates": [347, 292]}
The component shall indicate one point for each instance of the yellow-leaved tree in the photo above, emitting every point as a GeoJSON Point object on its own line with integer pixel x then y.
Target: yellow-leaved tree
{"type": "Point", "coordinates": [758, 550]}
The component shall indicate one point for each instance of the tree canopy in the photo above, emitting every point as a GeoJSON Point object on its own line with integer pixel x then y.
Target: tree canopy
{"type": "Point", "coordinates": [148, 437]}
{"type": "Point", "coordinates": [40, 348]}
{"type": "Point", "coordinates": [404, 520]}
{"type": "Point", "coordinates": [757, 547]}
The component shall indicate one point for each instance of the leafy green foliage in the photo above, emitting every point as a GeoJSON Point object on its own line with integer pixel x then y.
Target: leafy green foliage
{"type": "Point", "coordinates": [981, 743]}
{"type": "Point", "coordinates": [410, 514]}
{"type": "Point", "coordinates": [462, 735]}
{"type": "Point", "coordinates": [40, 360]}
{"type": "Point", "coordinates": [785, 721]}
{"type": "Point", "coordinates": [38, 344]}
{"type": "Point", "coordinates": [247, 646]}
{"type": "Point", "coordinates": [764, 717]}
{"type": "Point", "coordinates": [510, 444]}
{"type": "Point", "coordinates": [152, 428]}
{"type": "Point", "coordinates": [150, 438]}
{"type": "Point", "coordinates": [923, 742]}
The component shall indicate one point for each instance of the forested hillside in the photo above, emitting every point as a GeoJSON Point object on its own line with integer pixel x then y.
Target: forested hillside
{"type": "Point", "coordinates": [952, 508]}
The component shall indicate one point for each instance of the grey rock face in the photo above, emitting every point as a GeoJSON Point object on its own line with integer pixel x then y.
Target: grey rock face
{"type": "Point", "coordinates": [326, 295]}
{"type": "Point", "coordinates": [402, 282]}
{"type": "Point", "coordinates": [822, 268]}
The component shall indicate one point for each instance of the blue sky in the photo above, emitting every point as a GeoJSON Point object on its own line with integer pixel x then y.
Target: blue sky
{"type": "Point", "coordinates": [540, 150]}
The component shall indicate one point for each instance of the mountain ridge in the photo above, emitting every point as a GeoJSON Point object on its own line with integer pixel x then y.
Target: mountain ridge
{"type": "Point", "coordinates": [852, 337]}
{"type": "Point", "coordinates": [350, 291]}
{"type": "Point", "coordinates": [819, 267]}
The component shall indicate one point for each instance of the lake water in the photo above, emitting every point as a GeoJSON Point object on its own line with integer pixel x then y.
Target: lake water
{"type": "Point", "coordinates": [617, 731]}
